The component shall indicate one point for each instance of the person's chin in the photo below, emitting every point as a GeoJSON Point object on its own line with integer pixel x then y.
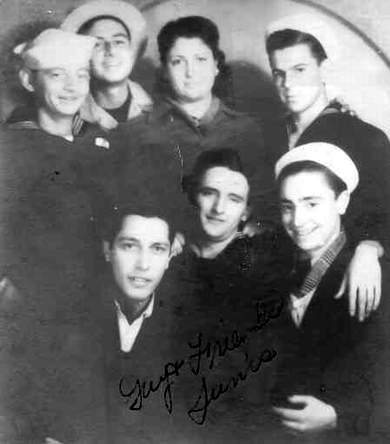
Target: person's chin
{"type": "Point", "coordinates": [217, 236]}
{"type": "Point", "coordinates": [112, 77]}
{"type": "Point", "coordinates": [191, 97]}
{"type": "Point", "coordinates": [67, 111]}
{"type": "Point", "coordinates": [139, 295]}
{"type": "Point", "coordinates": [294, 107]}
{"type": "Point", "coordinates": [307, 244]}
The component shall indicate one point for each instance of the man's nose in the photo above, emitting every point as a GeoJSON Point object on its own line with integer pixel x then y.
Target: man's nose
{"type": "Point", "coordinates": [143, 260]}
{"type": "Point", "coordinates": [70, 82]}
{"type": "Point", "coordinates": [108, 47]}
{"type": "Point", "coordinates": [298, 217]}
{"type": "Point", "coordinates": [288, 79]}
{"type": "Point", "coordinates": [219, 205]}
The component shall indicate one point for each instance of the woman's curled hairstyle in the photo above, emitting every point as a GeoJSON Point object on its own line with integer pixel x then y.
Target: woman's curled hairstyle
{"type": "Point", "coordinates": [194, 26]}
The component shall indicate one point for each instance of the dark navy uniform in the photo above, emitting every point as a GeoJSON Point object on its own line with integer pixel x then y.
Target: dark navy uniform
{"type": "Point", "coordinates": [368, 214]}
{"type": "Point", "coordinates": [48, 250]}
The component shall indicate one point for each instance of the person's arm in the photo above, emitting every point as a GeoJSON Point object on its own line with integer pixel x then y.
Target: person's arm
{"type": "Point", "coordinates": [363, 279]}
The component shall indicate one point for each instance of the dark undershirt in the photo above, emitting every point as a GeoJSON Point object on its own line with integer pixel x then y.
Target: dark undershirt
{"type": "Point", "coordinates": [120, 114]}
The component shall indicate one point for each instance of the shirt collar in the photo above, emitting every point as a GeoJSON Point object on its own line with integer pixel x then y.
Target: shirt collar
{"type": "Point", "coordinates": [168, 107]}
{"type": "Point", "coordinates": [334, 106]}
{"type": "Point", "coordinates": [146, 313]}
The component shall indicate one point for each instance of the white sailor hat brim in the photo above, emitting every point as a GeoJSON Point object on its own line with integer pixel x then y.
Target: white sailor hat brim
{"type": "Point", "coordinates": [128, 14]}
{"type": "Point", "coordinates": [55, 48]}
{"type": "Point", "coordinates": [326, 154]}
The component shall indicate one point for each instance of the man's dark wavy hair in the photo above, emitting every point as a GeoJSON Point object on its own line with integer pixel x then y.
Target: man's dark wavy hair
{"type": "Point", "coordinates": [291, 37]}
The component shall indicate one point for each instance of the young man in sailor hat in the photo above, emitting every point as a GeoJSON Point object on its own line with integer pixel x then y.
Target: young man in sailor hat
{"type": "Point", "coordinates": [322, 389]}
{"type": "Point", "coordinates": [47, 249]}
{"type": "Point", "coordinates": [121, 33]}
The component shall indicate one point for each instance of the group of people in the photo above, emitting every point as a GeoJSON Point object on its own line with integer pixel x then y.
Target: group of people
{"type": "Point", "coordinates": [170, 274]}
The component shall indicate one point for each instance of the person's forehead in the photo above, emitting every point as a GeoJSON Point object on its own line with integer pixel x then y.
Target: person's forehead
{"type": "Point", "coordinates": [225, 179]}
{"type": "Point", "coordinates": [66, 68]}
{"type": "Point", "coordinates": [107, 27]}
{"type": "Point", "coordinates": [189, 44]}
{"type": "Point", "coordinates": [144, 229]}
{"type": "Point", "coordinates": [304, 185]}
{"type": "Point", "coordinates": [292, 55]}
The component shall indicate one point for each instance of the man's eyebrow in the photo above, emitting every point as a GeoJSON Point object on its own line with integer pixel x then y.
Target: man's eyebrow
{"type": "Point", "coordinates": [121, 34]}
{"type": "Point", "coordinates": [237, 196]}
{"type": "Point", "coordinates": [304, 199]}
{"type": "Point", "coordinates": [56, 68]}
{"type": "Point", "coordinates": [311, 198]}
{"type": "Point", "coordinates": [118, 34]}
{"type": "Point", "coordinates": [125, 238]}
{"type": "Point", "coordinates": [206, 187]}
{"type": "Point", "coordinates": [161, 243]}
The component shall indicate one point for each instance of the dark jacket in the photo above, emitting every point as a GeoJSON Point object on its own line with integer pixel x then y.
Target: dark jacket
{"type": "Point", "coordinates": [130, 416]}
{"type": "Point", "coordinates": [331, 356]}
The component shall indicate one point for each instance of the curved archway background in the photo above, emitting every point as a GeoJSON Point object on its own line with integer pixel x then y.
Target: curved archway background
{"type": "Point", "coordinates": [361, 74]}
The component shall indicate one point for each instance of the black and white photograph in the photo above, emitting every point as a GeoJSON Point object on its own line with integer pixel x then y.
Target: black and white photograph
{"type": "Point", "coordinates": [194, 222]}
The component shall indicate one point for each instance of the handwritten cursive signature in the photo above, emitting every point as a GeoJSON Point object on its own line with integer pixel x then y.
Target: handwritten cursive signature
{"type": "Point", "coordinates": [198, 412]}
{"type": "Point", "coordinates": [143, 389]}
{"type": "Point", "coordinates": [214, 349]}
{"type": "Point", "coordinates": [201, 349]}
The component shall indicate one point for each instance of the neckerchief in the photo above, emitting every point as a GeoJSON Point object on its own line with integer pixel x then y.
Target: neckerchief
{"type": "Point", "coordinates": [313, 275]}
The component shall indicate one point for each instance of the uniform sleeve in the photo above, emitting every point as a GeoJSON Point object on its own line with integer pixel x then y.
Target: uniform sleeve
{"type": "Point", "coordinates": [368, 213]}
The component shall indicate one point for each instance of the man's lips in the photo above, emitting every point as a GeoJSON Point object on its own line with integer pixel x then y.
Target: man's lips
{"type": "Point", "coordinates": [138, 281]}
{"type": "Point", "coordinates": [303, 233]}
{"type": "Point", "coordinates": [214, 219]}
{"type": "Point", "coordinates": [291, 98]}
{"type": "Point", "coordinates": [111, 65]}
{"type": "Point", "coordinates": [69, 99]}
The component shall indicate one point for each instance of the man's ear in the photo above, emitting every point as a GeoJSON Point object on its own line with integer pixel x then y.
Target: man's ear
{"type": "Point", "coordinates": [343, 201]}
{"type": "Point", "coordinates": [168, 260]}
{"type": "Point", "coordinates": [326, 68]}
{"type": "Point", "coordinates": [106, 251]}
{"type": "Point", "coordinates": [247, 214]}
{"type": "Point", "coordinates": [25, 77]}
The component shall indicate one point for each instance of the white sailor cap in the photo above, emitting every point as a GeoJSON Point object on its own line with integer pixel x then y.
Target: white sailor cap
{"type": "Point", "coordinates": [326, 154]}
{"type": "Point", "coordinates": [54, 48]}
{"type": "Point", "coordinates": [309, 24]}
{"type": "Point", "coordinates": [128, 14]}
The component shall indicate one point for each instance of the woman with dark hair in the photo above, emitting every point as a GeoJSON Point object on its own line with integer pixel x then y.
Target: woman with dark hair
{"type": "Point", "coordinates": [190, 118]}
